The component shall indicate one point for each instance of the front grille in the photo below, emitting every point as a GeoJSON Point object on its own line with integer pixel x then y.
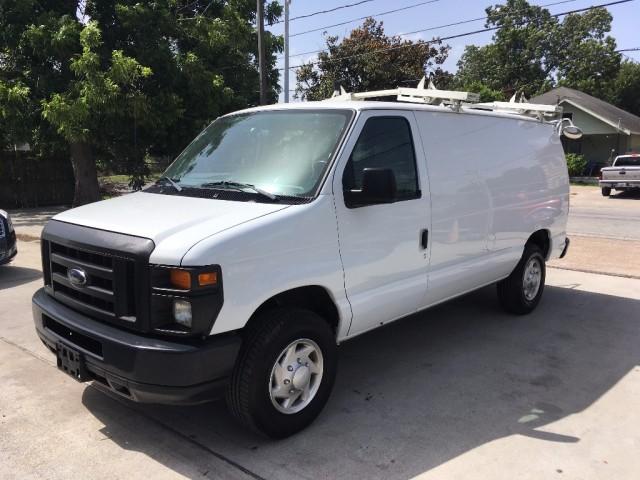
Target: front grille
{"type": "Point", "coordinates": [2, 229]}
{"type": "Point", "coordinates": [109, 291]}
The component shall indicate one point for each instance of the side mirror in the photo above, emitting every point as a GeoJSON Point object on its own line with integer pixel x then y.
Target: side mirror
{"type": "Point", "coordinates": [378, 186]}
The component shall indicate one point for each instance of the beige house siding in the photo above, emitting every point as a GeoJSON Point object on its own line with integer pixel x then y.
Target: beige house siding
{"type": "Point", "coordinates": [601, 141]}
{"type": "Point", "coordinates": [589, 124]}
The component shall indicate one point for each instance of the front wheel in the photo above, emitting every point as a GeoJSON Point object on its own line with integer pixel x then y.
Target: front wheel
{"type": "Point", "coordinates": [285, 372]}
{"type": "Point", "coordinates": [521, 291]}
{"type": "Point", "coordinates": [606, 191]}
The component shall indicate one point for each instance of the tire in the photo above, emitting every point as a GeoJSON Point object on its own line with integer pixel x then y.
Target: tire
{"type": "Point", "coordinates": [249, 395]}
{"type": "Point", "coordinates": [516, 295]}
{"type": "Point", "coordinates": [606, 191]}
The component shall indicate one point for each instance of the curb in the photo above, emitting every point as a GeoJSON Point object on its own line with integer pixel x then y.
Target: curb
{"type": "Point", "coordinates": [584, 180]}
{"type": "Point", "coordinates": [584, 270]}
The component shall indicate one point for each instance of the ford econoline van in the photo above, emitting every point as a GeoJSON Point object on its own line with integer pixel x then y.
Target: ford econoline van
{"type": "Point", "coordinates": [282, 231]}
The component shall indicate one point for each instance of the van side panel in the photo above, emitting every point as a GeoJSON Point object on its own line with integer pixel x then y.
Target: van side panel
{"type": "Point", "coordinates": [494, 181]}
{"type": "Point", "coordinates": [528, 185]}
{"type": "Point", "coordinates": [460, 207]}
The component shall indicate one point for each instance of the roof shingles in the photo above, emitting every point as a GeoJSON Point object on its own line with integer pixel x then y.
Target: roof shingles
{"type": "Point", "coordinates": [612, 114]}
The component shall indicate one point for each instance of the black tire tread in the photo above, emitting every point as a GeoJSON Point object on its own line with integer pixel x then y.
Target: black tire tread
{"type": "Point", "coordinates": [270, 327]}
{"type": "Point", "coordinates": [256, 338]}
{"type": "Point", "coordinates": [510, 289]}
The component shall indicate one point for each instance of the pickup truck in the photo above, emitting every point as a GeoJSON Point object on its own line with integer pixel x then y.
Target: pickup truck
{"type": "Point", "coordinates": [623, 175]}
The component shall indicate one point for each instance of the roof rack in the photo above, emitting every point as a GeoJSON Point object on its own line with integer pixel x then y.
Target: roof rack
{"type": "Point", "coordinates": [454, 99]}
{"type": "Point", "coordinates": [430, 95]}
{"type": "Point", "coordinates": [522, 107]}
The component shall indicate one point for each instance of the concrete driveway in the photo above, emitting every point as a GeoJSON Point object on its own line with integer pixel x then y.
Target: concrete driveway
{"type": "Point", "coordinates": [461, 391]}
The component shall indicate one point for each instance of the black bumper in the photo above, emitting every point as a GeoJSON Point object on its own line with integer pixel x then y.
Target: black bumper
{"type": "Point", "coordinates": [143, 369]}
{"type": "Point", "coordinates": [566, 247]}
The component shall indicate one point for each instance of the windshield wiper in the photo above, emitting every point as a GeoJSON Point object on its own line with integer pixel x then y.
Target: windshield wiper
{"type": "Point", "coordinates": [172, 182]}
{"type": "Point", "coordinates": [240, 187]}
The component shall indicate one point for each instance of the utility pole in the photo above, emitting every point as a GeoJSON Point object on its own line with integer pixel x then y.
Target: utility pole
{"type": "Point", "coordinates": [286, 50]}
{"type": "Point", "coordinates": [261, 63]}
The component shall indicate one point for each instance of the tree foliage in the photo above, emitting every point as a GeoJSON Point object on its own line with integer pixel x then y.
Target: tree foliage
{"type": "Point", "coordinates": [532, 51]}
{"type": "Point", "coordinates": [115, 80]}
{"type": "Point", "coordinates": [368, 59]}
{"type": "Point", "coordinates": [624, 90]}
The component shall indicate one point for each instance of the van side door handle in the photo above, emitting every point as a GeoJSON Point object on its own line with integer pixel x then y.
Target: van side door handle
{"type": "Point", "coordinates": [424, 238]}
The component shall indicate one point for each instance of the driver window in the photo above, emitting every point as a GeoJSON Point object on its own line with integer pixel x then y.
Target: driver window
{"type": "Point", "coordinates": [385, 142]}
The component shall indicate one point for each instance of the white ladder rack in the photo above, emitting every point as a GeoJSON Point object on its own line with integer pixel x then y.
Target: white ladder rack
{"type": "Point", "coordinates": [453, 99]}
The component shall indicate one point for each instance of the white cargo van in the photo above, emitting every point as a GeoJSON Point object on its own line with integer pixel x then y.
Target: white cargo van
{"type": "Point", "coordinates": [282, 231]}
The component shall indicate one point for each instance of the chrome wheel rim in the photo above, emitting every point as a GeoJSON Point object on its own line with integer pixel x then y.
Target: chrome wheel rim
{"type": "Point", "coordinates": [532, 278]}
{"type": "Point", "coordinates": [296, 376]}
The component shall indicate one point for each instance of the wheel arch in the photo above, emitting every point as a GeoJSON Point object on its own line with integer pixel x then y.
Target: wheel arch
{"type": "Point", "coordinates": [311, 297]}
{"type": "Point", "coordinates": [541, 238]}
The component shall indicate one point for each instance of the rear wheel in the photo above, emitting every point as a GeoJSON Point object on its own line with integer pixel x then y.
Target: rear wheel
{"type": "Point", "coordinates": [606, 191]}
{"type": "Point", "coordinates": [285, 372]}
{"type": "Point", "coordinates": [521, 291]}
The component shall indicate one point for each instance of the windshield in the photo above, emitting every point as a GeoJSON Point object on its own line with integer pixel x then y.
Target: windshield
{"type": "Point", "coordinates": [627, 162]}
{"type": "Point", "coordinates": [280, 152]}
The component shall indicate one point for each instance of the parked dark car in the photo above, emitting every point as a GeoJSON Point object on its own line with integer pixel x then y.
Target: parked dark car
{"type": "Point", "coordinates": [8, 247]}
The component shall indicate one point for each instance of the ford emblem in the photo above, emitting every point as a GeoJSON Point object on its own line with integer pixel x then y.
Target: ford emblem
{"type": "Point", "coordinates": [77, 277]}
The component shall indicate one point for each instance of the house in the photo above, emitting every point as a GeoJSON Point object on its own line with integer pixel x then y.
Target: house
{"type": "Point", "coordinates": [608, 130]}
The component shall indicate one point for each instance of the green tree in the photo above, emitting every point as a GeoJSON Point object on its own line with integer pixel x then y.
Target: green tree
{"type": "Point", "coordinates": [532, 51]}
{"type": "Point", "coordinates": [368, 59]}
{"type": "Point", "coordinates": [116, 80]}
{"type": "Point", "coordinates": [624, 90]}
{"type": "Point", "coordinates": [96, 98]}
{"type": "Point", "coordinates": [584, 56]}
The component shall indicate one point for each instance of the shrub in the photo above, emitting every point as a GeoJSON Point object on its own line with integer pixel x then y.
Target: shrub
{"type": "Point", "coordinates": [576, 164]}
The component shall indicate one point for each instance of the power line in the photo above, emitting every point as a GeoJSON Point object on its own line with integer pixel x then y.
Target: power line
{"type": "Point", "coordinates": [363, 18]}
{"type": "Point", "coordinates": [633, 49]}
{"type": "Point", "coordinates": [320, 12]}
{"type": "Point", "coordinates": [450, 37]}
{"type": "Point", "coordinates": [438, 27]}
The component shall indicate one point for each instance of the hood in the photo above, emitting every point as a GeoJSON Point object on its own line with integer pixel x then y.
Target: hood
{"type": "Point", "coordinates": [183, 220]}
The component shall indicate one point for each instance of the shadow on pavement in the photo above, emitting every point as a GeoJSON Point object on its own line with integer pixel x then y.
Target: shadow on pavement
{"type": "Point", "coordinates": [12, 276]}
{"type": "Point", "coordinates": [626, 194]}
{"type": "Point", "coordinates": [424, 390]}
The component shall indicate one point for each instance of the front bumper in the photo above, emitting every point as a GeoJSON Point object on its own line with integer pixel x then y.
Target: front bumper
{"type": "Point", "coordinates": [143, 369]}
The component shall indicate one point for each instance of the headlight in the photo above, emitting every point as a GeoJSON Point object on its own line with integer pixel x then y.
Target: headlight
{"type": "Point", "coordinates": [185, 300]}
{"type": "Point", "coordinates": [182, 312]}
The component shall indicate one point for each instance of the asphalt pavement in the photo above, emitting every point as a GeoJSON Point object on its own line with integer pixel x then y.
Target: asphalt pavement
{"type": "Point", "coordinates": [616, 217]}
{"type": "Point", "coordinates": [459, 391]}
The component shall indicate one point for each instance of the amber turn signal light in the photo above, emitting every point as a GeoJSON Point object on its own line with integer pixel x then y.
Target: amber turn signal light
{"type": "Point", "coordinates": [207, 279]}
{"type": "Point", "coordinates": [181, 279]}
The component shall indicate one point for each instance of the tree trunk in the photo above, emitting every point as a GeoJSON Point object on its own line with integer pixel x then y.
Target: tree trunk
{"type": "Point", "coordinates": [87, 189]}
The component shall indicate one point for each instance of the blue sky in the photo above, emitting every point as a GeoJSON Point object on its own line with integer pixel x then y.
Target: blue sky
{"type": "Point", "coordinates": [625, 28]}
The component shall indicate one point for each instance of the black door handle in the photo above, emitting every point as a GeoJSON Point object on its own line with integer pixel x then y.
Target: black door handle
{"type": "Point", "coordinates": [424, 238]}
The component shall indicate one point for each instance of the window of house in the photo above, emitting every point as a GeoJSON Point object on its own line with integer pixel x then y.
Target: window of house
{"type": "Point", "coordinates": [385, 142]}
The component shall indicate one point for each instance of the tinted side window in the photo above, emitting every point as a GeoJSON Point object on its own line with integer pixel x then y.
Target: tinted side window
{"type": "Point", "coordinates": [385, 142]}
